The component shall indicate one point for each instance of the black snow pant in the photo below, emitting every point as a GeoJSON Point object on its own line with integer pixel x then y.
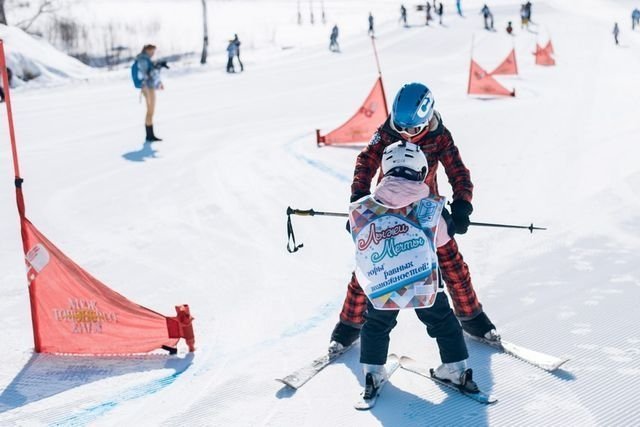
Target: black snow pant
{"type": "Point", "coordinates": [440, 321]}
{"type": "Point", "coordinates": [230, 68]}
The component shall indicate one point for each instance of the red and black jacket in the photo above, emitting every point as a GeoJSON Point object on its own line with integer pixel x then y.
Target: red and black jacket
{"type": "Point", "coordinates": [437, 145]}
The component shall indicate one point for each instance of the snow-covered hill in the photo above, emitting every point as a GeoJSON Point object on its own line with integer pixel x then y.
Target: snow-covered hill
{"type": "Point", "coordinates": [32, 59]}
{"type": "Point", "coordinates": [199, 218]}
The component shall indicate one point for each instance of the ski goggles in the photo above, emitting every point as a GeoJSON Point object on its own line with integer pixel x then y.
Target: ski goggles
{"type": "Point", "coordinates": [408, 130]}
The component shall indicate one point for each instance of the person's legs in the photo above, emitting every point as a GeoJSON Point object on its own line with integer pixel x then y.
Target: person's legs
{"type": "Point", "coordinates": [347, 330]}
{"type": "Point", "coordinates": [374, 338]}
{"type": "Point", "coordinates": [457, 277]}
{"type": "Point", "coordinates": [150, 99]}
{"type": "Point", "coordinates": [240, 62]}
{"type": "Point", "coordinates": [442, 325]}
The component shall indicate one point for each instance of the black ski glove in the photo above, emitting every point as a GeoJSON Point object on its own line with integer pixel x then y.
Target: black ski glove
{"type": "Point", "coordinates": [460, 211]}
{"type": "Point", "coordinates": [348, 227]}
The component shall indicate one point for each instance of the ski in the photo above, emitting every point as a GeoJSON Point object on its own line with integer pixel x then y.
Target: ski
{"type": "Point", "coordinates": [297, 379]}
{"type": "Point", "coordinates": [541, 360]}
{"type": "Point", "coordinates": [393, 362]}
{"type": "Point", "coordinates": [411, 365]}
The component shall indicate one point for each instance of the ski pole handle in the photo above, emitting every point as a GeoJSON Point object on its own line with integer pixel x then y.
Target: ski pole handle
{"type": "Point", "coordinates": [311, 212]}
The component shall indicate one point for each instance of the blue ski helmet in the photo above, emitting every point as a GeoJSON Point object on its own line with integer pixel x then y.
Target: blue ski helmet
{"type": "Point", "coordinates": [412, 109]}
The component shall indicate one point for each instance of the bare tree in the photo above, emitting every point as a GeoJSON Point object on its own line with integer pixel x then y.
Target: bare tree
{"type": "Point", "coordinates": [3, 15]}
{"type": "Point", "coordinates": [45, 7]}
{"type": "Point", "coordinates": [205, 37]}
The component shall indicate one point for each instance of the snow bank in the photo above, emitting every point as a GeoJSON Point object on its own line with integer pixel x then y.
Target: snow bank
{"type": "Point", "coordinates": [30, 58]}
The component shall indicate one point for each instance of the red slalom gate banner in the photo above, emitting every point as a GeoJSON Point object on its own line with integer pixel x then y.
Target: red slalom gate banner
{"type": "Point", "coordinates": [363, 123]}
{"type": "Point", "coordinates": [508, 67]}
{"type": "Point", "coordinates": [549, 47]}
{"type": "Point", "coordinates": [482, 83]}
{"type": "Point", "coordinates": [71, 311]}
{"type": "Point", "coordinates": [543, 55]}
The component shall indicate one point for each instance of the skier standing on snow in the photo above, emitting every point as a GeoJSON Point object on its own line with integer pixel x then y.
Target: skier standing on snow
{"type": "Point", "coordinates": [232, 51]}
{"type": "Point", "coordinates": [237, 42]}
{"type": "Point", "coordinates": [414, 119]}
{"type": "Point", "coordinates": [509, 28]}
{"type": "Point", "coordinates": [488, 17]}
{"type": "Point", "coordinates": [398, 201]}
{"type": "Point", "coordinates": [635, 18]}
{"type": "Point", "coordinates": [403, 15]}
{"type": "Point", "coordinates": [428, 9]}
{"type": "Point", "coordinates": [333, 39]}
{"type": "Point", "coordinates": [616, 32]}
{"type": "Point", "coordinates": [524, 17]}
{"type": "Point", "coordinates": [459, 7]}
{"type": "Point", "coordinates": [440, 12]}
{"type": "Point", "coordinates": [146, 76]}
{"type": "Point", "coordinates": [371, 31]}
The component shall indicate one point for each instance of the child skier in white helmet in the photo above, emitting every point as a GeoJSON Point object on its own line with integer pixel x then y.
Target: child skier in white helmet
{"type": "Point", "coordinates": [396, 231]}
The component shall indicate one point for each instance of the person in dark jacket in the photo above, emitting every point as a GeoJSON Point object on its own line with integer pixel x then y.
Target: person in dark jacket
{"type": "Point", "coordinates": [440, 12]}
{"type": "Point", "coordinates": [371, 31]}
{"type": "Point", "coordinates": [436, 142]}
{"type": "Point", "coordinates": [232, 50]}
{"type": "Point", "coordinates": [333, 39]}
{"type": "Point", "coordinates": [236, 40]}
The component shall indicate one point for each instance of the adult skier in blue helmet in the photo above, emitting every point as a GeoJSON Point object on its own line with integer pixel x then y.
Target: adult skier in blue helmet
{"type": "Point", "coordinates": [414, 119]}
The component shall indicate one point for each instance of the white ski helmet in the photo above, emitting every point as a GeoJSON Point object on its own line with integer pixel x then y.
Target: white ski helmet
{"type": "Point", "coordinates": [406, 160]}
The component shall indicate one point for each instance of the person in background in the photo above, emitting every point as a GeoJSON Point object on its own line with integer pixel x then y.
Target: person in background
{"type": "Point", "coordinates": [509, 28]}
{"type": "Point", "coordinates": [232, 50]}
{"type": "Point", "coordinates": [146, 75]}
{"type": "Point", "coordinates": [333, 39]}
{"type": "Point", "coordinates": [371, 31]}
{"type": "Point", "coordinates": [524, 20]}
{"type": "Point", "coordinates": [616, 32]}
{"type": "Point", "coordinates": [459, 7]}
{"type": "Point", "coordinates": [488, 17]}
{"type": "Point", "coordinates": [237, 42]}
{"type": "Point", "coordinates": [403, 15]}
{"type": "Point", "coordinates": [440, 12]}
{"type": "Point", "coordinates": [428, 9]}
{"type": "Point", "coordinates": [9, 77]}
{"type": "Point", "coordinates": [635, 18]}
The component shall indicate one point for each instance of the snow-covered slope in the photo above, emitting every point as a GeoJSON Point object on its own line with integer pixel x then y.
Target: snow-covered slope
{"type": "Point", "coordinates": [199, 218]}
{"type": "Point", "coordinates": [30, 58]}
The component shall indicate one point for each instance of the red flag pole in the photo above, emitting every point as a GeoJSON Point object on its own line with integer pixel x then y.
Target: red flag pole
{"type": "Point", "coordinates": [384, 95]}
{"type": "Point", "coordinates": [12, 134]}
{"type": "Point", "coordinates": [5, 84]}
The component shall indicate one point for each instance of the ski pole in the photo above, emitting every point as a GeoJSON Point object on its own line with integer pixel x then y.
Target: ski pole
{"type": "Point", "coordinates": [291, 239]}
{"type": "Point", "coordinates": [487, 224]}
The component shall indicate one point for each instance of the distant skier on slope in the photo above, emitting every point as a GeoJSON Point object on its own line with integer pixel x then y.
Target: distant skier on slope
{"type": "Point", "coordinates": [414, 119]}
{"type": "Point", "coordinates": [237, 42]}
{"type": "Point", "coordinates": [509, 28]}
{"type": "Point", "coordinates": [488, 17]}
{"type": "Point", "coordinates": [403, 15]}
{"type": "Point", "coordinates": [428, 13]}
{"type": "Point", "coordinates": [146, 76]}
{"type": "Point", "coordinates": [232, 51]}
{"type": "Point", "coordinates": [333, 39]}
{"type": "Point", "coordinates": [371, 31]}
{"type": "Point", "coordinates": [394, 213]}
{"type": "Point", "coordinates": [616, 33]}
{"type": "Point", "coordinates": [440, 12]}
{"type": "Point", "coordinates": [459, 7]}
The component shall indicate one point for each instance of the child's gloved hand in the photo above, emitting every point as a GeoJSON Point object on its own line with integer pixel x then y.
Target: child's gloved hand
{"type": "Point", "coordinates": [460, 211]}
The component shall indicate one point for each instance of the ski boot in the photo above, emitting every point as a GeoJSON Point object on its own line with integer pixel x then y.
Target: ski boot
{"type": "Point", "coordinates": [343, 336]}
{"type": "Point", "coordinates": [457, 374]}
{"type": "Point", "coordinates": [374, 376]}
